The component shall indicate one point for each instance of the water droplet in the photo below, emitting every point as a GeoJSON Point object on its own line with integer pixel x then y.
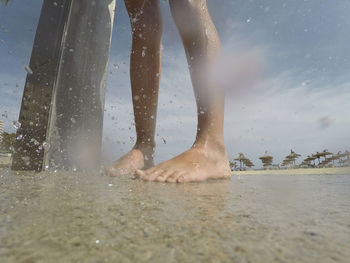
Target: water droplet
{"type": "Point", "coordinates": [29, 70]}
{"type": "Point", "coordinates": [26, 159]}
{"type": "Point", "coordinates": [16, 124]}
{"type": "Point", "coordinates": [46, 145]}
{"type": "Point", "coordinates": [34, 141]}
{"type": "Point", "coordinates": [97, 241]}
{"type": "Point", "coordinates": [144, 51]}
{"type": "Point", "coordinates": [110, 184]}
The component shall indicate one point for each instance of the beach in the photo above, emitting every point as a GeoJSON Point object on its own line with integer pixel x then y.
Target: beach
{"type": "Point", "coordinates": [299, 171]}
{"type": "Point", "coordinates": [73, 217]}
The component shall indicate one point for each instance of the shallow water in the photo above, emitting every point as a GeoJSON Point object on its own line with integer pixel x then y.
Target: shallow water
{"type": "Point", "coordinates": [72, 217]}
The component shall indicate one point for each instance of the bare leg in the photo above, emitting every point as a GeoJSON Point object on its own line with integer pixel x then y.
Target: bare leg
{"type": "Point", "coordinates": [145, 70]}
{"type": "Point", "coordinates": [207, 157]}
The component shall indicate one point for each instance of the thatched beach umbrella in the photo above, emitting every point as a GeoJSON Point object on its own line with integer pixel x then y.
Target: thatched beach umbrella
{"type": "Point", "coordinates": [317, 156]}
{"type": "Point", "coordinates": [240, 158]}
{"type": "Point", "coordinates": [293, 155]}
{"type": "Point", "coordinates": [340, 157]}
{"type": "Point", "coordinates": [344, 154]}
{"type": "Point", "coordinates": [290, 159]}
{"type": "Point", "coordinates": [307, 163]}
{"type": "Point", "coordinates": [336, 157]}
{"type": "Point", "coordinates": [344, 162]}
{"type": "Point", "coordinates": [325, 153]}
{"type": "Point", "coordinates": [308, 160]}
{"type": "Point", "coordinates": [326, 161]}
{"type": "Point", "coordinates": [329, 159]}
{"type": "Point", "coordinates": [285, 163]}
{"type": "Point", "coordinates": [248, 163]}
{"type": "Point", "coordinates": [233, 165]}
{"type": "Point", "coordinates": [266, 159]}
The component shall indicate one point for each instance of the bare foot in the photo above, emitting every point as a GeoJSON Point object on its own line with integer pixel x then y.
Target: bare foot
{"type": "Point", "coordinates": [133, 160]}
{"type": "Point", "coordinates": [197, 164]}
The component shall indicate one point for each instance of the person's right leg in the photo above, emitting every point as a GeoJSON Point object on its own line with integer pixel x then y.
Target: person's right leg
{"type": "Point", "coordinates": [145, 70]}
{"type": "Point", "coordinates": [207, 158]}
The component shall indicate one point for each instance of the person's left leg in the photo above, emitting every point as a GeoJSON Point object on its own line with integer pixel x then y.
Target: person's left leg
{"type": "Point", "coordinates": [207, 157]}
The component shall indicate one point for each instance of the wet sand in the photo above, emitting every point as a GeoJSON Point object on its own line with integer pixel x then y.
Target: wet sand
{"type": "Point", "coordinates": [72, 217]}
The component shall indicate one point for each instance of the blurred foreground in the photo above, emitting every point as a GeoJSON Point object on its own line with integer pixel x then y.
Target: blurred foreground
{"type": "Point", "coordinates": [71, 217]}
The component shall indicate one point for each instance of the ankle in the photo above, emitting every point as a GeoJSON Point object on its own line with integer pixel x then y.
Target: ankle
{"type": "Point", "coordinates": [210, 142]}
{"type": "Point", "coordinates": [146, 148]}
{"type": "Point", "coordinates": [147, 151]}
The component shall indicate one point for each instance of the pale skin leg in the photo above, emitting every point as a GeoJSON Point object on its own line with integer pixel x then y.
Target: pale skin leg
{"type": "Point", "coordinates": [145, 70]}
{"type": "Point", "coordinates": [207, 158]}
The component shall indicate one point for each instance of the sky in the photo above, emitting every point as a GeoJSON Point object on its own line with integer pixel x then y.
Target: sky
{"type": "Point", "coordinates": [300, 102]}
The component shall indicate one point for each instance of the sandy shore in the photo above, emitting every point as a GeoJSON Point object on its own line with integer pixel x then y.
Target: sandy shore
{"type": "Point", "coordinates": [319, 171]}
{"type": "Point", "coordinates": [72, 217]}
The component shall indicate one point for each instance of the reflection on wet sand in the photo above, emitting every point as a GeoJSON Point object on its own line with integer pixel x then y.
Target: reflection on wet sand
{"type": "Point", "coordinates": [71, 217]}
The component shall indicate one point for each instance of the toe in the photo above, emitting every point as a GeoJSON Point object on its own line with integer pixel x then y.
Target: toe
{"type": "Point", "coordinates": [182, 179]}
{"type": "Point", "coordinates": [191, 177]}
{"type": "Point", "coordinates": [143, 174]}
{"type": "Point", "coordinates": [164, 176]}
{"type": "Point", "coordinates": [151, 170]}
{"type": "Point", "coordinates": [153, 175]}
{"type": "Point", "coordinates": [140, 173]}
{"type": "Point", "coordinates": [173, 177]}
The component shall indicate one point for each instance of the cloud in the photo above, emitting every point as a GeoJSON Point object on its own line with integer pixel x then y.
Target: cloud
{"type": "Point", "coordinates": [283, 116]}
